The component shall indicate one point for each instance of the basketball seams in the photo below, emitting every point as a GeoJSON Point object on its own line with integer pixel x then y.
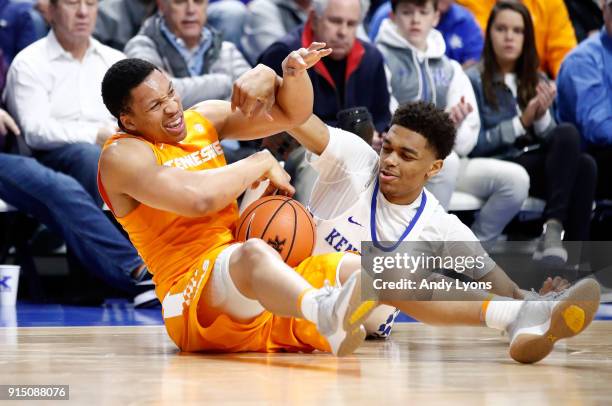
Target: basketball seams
{"type": "Point", "coordinates": [294, 231]}
{"type": "Point", "coordinates": [265, 230]}
{"type": "Point", "coordinates": [249, 210]}
{"type": "Point", "coordinates": [312, 226]}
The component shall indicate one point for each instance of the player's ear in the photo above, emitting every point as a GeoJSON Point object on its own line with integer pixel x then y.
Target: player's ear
{"type": "Point", "coordinates": [435, 168]}
{"type": "Point", "coordinates": [127, 122]}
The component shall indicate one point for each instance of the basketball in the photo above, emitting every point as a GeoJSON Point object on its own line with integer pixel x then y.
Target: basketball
{"type": "Point", "coordinates": [283, 223]}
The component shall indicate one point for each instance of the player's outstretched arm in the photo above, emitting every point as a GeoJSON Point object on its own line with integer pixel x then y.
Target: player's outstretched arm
{"type": "Point", "coordinates": [129, 172]}
{"type": "Point", "coordinates": [312, 135]}
{"type": "Point", "coordinates": [264, 104]}
{"type": "Point", "coordinates": [501, 284]}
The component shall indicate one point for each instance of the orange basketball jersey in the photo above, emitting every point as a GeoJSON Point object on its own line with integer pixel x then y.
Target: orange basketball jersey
{"type": "Point", "coordinates": [171, 244]}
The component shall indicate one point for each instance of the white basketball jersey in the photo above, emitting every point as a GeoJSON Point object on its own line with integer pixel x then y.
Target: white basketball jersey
{"type": "Point", "coordinates": [346, 231]}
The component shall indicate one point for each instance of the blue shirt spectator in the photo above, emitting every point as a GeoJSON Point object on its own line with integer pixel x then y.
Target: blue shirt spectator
{"type": "Point", "coordinates": [585, 98]}
{"type": "Point", "coordinates": [585, 89]}
{"type": "Point", "coordinates": [17, 29]}
{"type": "Point", "coordinates": [462, 35]}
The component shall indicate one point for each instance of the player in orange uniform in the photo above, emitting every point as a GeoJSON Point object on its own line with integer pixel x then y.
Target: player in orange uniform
{"type": "Point", "coordinates": [166, 181]}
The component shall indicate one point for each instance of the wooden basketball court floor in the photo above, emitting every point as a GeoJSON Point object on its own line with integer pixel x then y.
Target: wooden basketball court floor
{"type": "Point", "coordinates": [419, 364]}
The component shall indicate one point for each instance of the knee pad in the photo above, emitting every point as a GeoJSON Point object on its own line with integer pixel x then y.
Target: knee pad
{"type": "Point", "coordinates": [225, 296]}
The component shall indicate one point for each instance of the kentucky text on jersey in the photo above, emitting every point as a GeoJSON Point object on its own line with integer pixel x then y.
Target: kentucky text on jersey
{"type": "Point", "coordinates": [197, 158]}
{"type": "Point", "coordinates": [338, 242]}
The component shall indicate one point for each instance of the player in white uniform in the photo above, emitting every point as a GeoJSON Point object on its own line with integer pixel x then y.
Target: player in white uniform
{"type": "Point", "coordinates": [343, 206]}
{"type": "Point", "coordinates": [360, 196]}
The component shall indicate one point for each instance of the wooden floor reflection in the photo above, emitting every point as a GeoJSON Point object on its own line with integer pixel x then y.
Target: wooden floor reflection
{"type": "Point", "coordinates": [419, 364]}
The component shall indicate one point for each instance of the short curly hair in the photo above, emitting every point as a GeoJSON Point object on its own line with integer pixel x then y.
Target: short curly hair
{"type": "Point", "coordinates": [429, 121]}
{"type": "Point", "coordinates": [119, 81]}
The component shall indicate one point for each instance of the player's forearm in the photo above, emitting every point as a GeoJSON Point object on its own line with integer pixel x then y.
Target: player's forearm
{"type": "Point", "coordinates": [312, 135]}
{"type": "Point", "coordinates": [501, 284]}
{"type": "Point", "coordinates": [221, 187]}
{"type": "Point", "coordinates": [295, 97]}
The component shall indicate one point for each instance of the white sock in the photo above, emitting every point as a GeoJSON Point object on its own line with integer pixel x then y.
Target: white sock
{"type": "Point", "coordinates": [309, 306]}
{"type": "Point", "coordinates": [500, 313]}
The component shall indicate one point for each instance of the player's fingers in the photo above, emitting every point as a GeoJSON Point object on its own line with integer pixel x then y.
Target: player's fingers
{"type": "Point", "coordinates": [565, 284]}
{"type": "Point", "coordinates": [235, 96]}
{"type": "Point", "coordinates": [557, 281]}
{"type": "Point", "coordinates": [248, 106]}
{"type": "Point", "coordinates": [2, 128]}
{"type": "Point", "coordinates": [270, 190]}
{"type": "Point", "coordinates": [258, 109]}
{"type": "Point", "coordinates": [315, 46]}
{"type": "Point", "coordinates": [287, 189]}
{"type": "Point", "coordinates": [233, 102]}
{"type": "Point", "coordinates": [268, 106]}
{"type": "Point", "coordinates": [546, 287]}
{"type": "Point", "coordinates": [297, 61]}
{"type": "Point", "coordinates": [313, 57]}
{"type": "Point", "coordinates": [548, 283]}
{"type": "Point", "coordinates": [324, 52]}
{"type": "Point", "coordinates": [240, 98]}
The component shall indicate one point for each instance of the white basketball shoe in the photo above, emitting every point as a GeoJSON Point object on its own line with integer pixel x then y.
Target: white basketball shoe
{"type": "Point", "coordinates": [540, 323]}
{"type": "Point", "coordinates": [341, 315]}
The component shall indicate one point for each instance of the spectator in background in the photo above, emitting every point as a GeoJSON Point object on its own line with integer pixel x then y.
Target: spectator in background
{"type": "Point", "coordinates": [585, 97]}
{"type": "Point", "coordinates": [554, 33]}
{"type": "Point", "coordinates": [352, 76]}
{"type": "Point", "coordinates": [517, 124]}
{"type": "Point", "coordinates": [457, 25]}
{"type": "Point", "coordinates": [586, 17]}
{"type": "Point", "coordinates": [17, 27]}
{"type": "Point", "coordinates": [202, 65]}
{"type": "Point", "coordinates": [62, 204]}
{"type": "Point", "coordinates": [120, 20]}
{"type": "Point", "coordinates": [414, 53]}
{"type": "Point", "coordinates": [53, 92]}
{"type": "Point", "coordinates": [268, 21]}
{"type": "Point", "coordinates": [228, 17]}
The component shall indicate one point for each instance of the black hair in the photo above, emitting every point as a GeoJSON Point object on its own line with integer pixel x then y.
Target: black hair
{"type": "Point", "coordinates": [429, 121]}
{"type": "Point", "coordinates": [119, 81]}
{"type": "Point", "coordinates": [420, 3]}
